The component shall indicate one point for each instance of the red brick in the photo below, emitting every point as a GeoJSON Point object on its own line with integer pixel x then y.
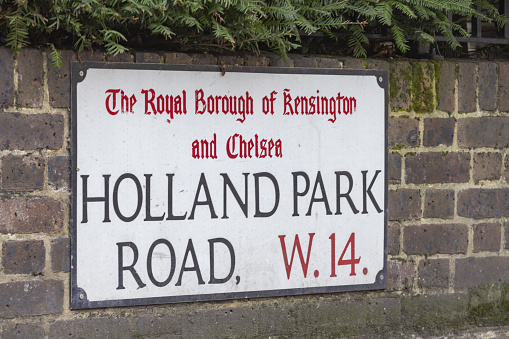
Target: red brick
{"type": "Point", "coordinates": [58, 172]}
{"type": "Point", "coordinates": [439, 203]}
{"type": "Point", "coordinates": [438, 131]}
{"type": "Point", "coordinates": [404, 204]}
{"type": "Point", "coordinates": [471, 272]}
{"type": "Point", "coordinates": [23, 330]}
{"type": "Point", "coordinates": [31, 215]}
{"type": "Point", "coordinates": [481, 203]}
{"type": "Point", "coordinates": [30, 78]}
{"type": "Point", "coordinates": [400, 275]}
{"type": "Point", "coordinates": [23, 256]}
{"type": "Point", "coordinates": [403, 132]}
{"type": "Point", "coordinates": [483, 132]}
{"type": "Point", "coordinates": [467, 87]}
{"type": "Point", "coordinates": [59, 81]}
{"type": "Point", "coordinates": [60, 255]}
{"type": "Point", "coordinates": [488, 86]}
{"type": "Point", "coordinates": [434, 239]}
{"type": "Point", "coordinates": [6, 77]}
{"type": "Point", "coordinates": [35, 297]}
{"type": "Point", "coordinates": [436, 167]}
{"type": "Point", "coordinates": [22, 173]}
{"type": "Point", "coordinates": [487, 166]}
{"type": "Point", "coordinates": [143, 57]}
{"type": "Point", "coordinates": [423, 92]}
{"type": "Point", "coordinates": [433, 273]}
{"type": "Point", "coordinates": [393, 233]}
{"type": "Point", "coordinates": [30, 132]}
{"type": "Point", "coordinates": [487, 237]}
{"type": "Point", "coordinates": [447, 87]}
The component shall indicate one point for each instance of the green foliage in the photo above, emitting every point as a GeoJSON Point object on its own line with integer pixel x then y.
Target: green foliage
{"type": "Point", "coordinates": [233, 24]}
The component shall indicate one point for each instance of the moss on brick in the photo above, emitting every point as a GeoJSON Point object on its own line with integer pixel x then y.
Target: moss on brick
{"type": "Point", "coordinates": [489, 305]}
{"type": "Point", "coordinates": [438, 75]}
{"type": "Point", "coordinates": [422, 87]}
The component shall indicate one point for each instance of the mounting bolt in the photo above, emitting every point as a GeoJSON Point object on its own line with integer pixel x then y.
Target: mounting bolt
{"type": "Point", "coordinates": [380, 79]}
{"type": "Point", "coordinates": [82, 296]}
{"type": "Point", "coordinates": [81, 73]}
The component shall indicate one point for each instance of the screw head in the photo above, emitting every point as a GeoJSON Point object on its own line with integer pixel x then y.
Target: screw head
{"type": "Point", "coordinates": [82, 296]}
{"type": "Point", "coordinates": [380, 79]}
{"type": "Point", "coordinates": [81, 73]}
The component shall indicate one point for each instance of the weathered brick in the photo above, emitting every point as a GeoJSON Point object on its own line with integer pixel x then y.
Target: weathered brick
{"type": "Point", "coordinates": [503, 96]}
{"type": "Point", "coordinates": [447, 87]}
{"type": "Point", "coordinates": [60, 255]}
{"type": "Point", "coordinates": [434, 239]}
{"type": "Point", "coordinates": [93, 328]}
{"type": "Point", "coordinates": [120, 57]}
{"type": "Point", "coordinates": [58, 172]}
{"type": "Point", "coordinates": [394, 168]}
{"type": "Point", "coordinates": [488, 86]}
{"type": "Point", "coordinates": [353, 63]}
{"type": "Point", "coordinates": [30, 78]}
{"type": "Point", "coordinates": [228, 322]}
{"type": "Point", "coordinates": [467, 86]}
{"type": "Point", "coordinates": [147, 58]}
{"type": "Point", "coordinates": [400, 275]}
{"type": "Point", "coordinates": [403, 132]}
{"type": "Point", "coordinates": [439, 203]}
{"type": "Point", "coordinates": [203, 59]}
{"type": "Point", "coordinates": [434, 314]}
{"type": "Point", "coordinates": [506, 166]}
{"type": "Point", "coordinates": [278, 61]}
{"type": "Point", "coordinates": [383, 311]}
{"type": "Point", "coordinates": [23, 330]}
{"type": "Point", "coordinates": [256, 60]}
{"type": "Point", "coordinates": [35, 297]}
{"type": "Point", "coordinates": [328, 63]}
{"type": "Point", "coordinates": [31, 215]}
{"type": "Point", "coordinates": [90, 55]}
{"type": "Point", "coordinates": [404, 204]}
{"type": "Point", "coordinates": [177, 58]}
{"type": "Point", "coordinates": [23, 256]}
{"type": "Point", "coordinates": [436, 167]}
{"type": "Point", "coordinates": [6, 77]}
{"type": "Point", "coordinates": [30, 132]}
{"type": "Point", "coordinates": [151, 325]}
{"type": "Point", "coordinates": [473, 271]}
{"type": "Point", "coordinates": [22, 173]}
{"type": "Point", "coordinates": [230, 60]}
{"type": "Point", "coordinates": [487, 166]}
{"type": "Point", "coordinates": [59, 81]}
{"type": "Point", "coordinates": [481, 203]}
{"type": "Point", "coordinates": [303, 61]}
{"type": "Point", "coordinates": [484, 132]}
{"type": "Point", "coordinates": [423, 93]}
{"type": "Point", "coordinates": [378, 64]}
{"type": "Point", "coordinates": [487, 237]}
{"type": "Point", "coordinates": [393, 233]}
{"type": "Point", "coordinates": [400, 86]}
{"type": "Point", "coordinates": [433, 273]}
{"type": "Point", "coordinates": [438, 131]}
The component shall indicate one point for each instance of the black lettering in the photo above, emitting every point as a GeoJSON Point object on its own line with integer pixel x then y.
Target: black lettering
{"type": "Point", "coordinates": [195, 267]}
{"type": "Point", "coordinates": [227, 183]}
{"type": "Point", "coordinates": [344, 195]}
{"type": "Point", "coordinates": [130, 268]}
{"type": "Point", "coordinates": [296, 193]}
{"type": "Point", "coordinates": [258, 213]}
{"type": "Point", "coordinates": [115, 197]}
{"type": "Point", "coordinates": [368, 192]}
{"type": "Point", "coordinates": [213, 279]}
{"type": "Point", "coordinates": [86, 199]}
{"type": "Point", "coordinates": [149, 262]}
{"type": "Point", "coordinates": [322, 199]}
{"type": "Point", "coordinates": [208, 202]}
{"type": "Point", "coordinates": [148, 216]}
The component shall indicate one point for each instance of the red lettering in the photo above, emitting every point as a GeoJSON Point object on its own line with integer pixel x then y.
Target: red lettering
{"type": "Point", "coordinates": [111, 99]}
{"type": "Point", "coordinates": [296, 245]}
{"type": "Point", "coordinates": [149, 101]}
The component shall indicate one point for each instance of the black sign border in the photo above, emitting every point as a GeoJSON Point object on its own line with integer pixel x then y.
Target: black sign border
{"type": "Point", "coordinates": [78, 297]}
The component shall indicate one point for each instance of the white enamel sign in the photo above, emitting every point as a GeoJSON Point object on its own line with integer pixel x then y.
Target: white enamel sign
{"type": "Point", "coordinates": [197, 183]}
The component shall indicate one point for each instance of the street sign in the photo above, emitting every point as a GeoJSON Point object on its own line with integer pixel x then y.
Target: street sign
{"type": "Point", "coordinates": [203, 183]}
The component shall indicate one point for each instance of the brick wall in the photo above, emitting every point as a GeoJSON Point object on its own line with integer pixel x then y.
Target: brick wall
{"type": "Point", "coordinates": [448, 237]}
